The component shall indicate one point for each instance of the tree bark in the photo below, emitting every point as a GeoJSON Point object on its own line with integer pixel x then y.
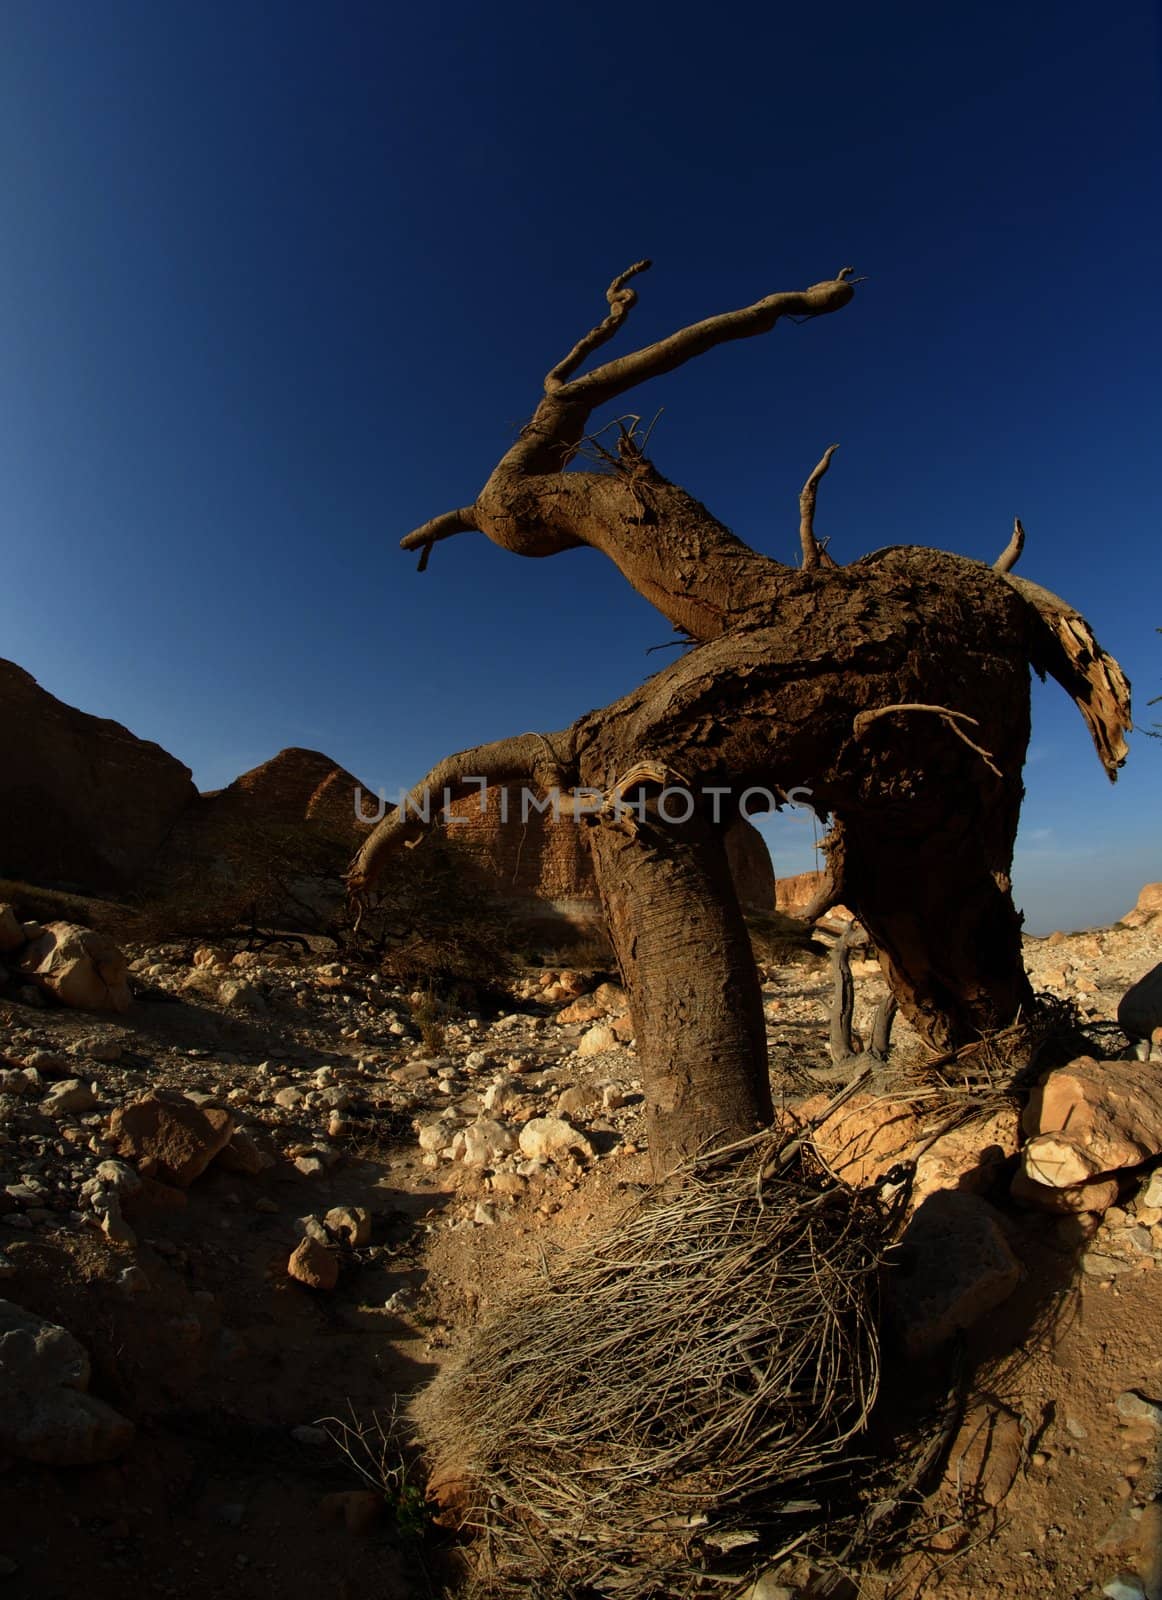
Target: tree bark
{"type": "Point", "coordinates": [685, 957]}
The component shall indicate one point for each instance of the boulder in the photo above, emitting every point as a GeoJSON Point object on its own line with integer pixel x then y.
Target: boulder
{"type": "Point", "coordinates": [242, 1153]}
{"type": "Point", "coordinates": [952, 1267]}
{"type": "Point", "coordinates": [1092, 1117]}
{"type": "Point", "coordinates": [45, 1413]}
{"type": "Point", "coordinates": [1140, 1008]}
{"type": "Point", "coordinates": [168, 1137]}
{"type": "Point", "coordinates": [80, 967]}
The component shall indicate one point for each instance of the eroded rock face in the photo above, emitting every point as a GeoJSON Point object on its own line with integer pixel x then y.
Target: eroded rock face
{"type": "Point", "coordinates": [45, 1414]}
{"type": "Point", "coordinates": [167, 1137]}
{"type": "Point", "coordinates": [85, 802]}
{"type": "Point", "coordinates": [84, 969]}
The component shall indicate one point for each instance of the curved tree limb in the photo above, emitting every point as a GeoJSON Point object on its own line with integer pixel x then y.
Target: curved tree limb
{"type": "Point", "coordinates": [626, 372]}
{"type": "Point", "coordinates": [544, 759]}
{"type": "Point", "coordinates": [621, 302]}
{"type": "Point", "coordinates": [1066, 649]}
{"type": "Point", "coordinates": [814, 554]}
{"type": "Point", "coordinates": [1011, 554]}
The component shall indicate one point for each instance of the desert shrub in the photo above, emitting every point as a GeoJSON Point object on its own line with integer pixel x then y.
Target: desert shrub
{"type": "Point", "coordinates": [434, 926]}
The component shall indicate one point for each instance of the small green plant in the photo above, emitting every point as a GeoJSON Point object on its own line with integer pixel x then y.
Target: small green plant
{"type": "Point", "coordinates": [374, 1448]}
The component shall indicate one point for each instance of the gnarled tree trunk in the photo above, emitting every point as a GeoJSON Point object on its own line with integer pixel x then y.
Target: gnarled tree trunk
{"type": "Point", "coordinates": [896, 690]}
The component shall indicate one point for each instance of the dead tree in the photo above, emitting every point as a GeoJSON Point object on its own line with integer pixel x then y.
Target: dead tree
{"type": "Point", "coordinates": [896, 689]}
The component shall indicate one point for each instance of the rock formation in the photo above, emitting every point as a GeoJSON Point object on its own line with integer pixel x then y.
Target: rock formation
{"type": "Point", "coordinates": [89, 806]}
{"type": "Point", "coordinates": [85, 803]}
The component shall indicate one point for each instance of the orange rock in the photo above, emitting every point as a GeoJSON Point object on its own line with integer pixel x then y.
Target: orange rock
{"type": "Point", "coordinates": [866, 1136]}
{"type": "Point", "coordinates": [313, 1264]}
{"type": "Point", "coordinates": [1092, 1117]}
{"type": "Point", "coordinates": [357, 1509]}
{"type": "Point", "coordinates": [169, 1137]}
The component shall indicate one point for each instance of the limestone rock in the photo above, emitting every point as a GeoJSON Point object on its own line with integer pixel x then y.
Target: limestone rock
{"type": "Point", "coordinates": [80, 967]}
{"type": "Point", "coordinates": [969, 1157]}
{"type": "Point", "coordinates": [598, 1041]}
{"type": "Point", "coordinates": [314, 1264]}
{"type": "Point", "coordinates": [168, 1137]}
{"type": "Point", "coordinates": [552, 1139]}
{"type": "Point", "coordinates": [1140, 1008]}
{"type": "Point", "coordinates": [1149, 905]}
{"type": "Point", "coordinates": [952, 1267]}
{"type": "Point", "coordinates": [1092, 1117]}
{"type": "Point", "coordinates": [352, 1223]}
{"type": "Point", "coordinates": [69, 1097]}
{"type": "Point", "coordinates": [45, 1414]}
{"type": "Point", "coordinates": [1095, 1197]}
{"type": "Point", "coordinates": [866, 1136]}
{"type": "Point", "coordinates": [482, 1143]}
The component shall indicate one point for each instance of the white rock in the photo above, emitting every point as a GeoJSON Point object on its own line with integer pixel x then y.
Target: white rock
{"type": "Point", "coordinates": [503, 1095]}
{"type": "Point", "coordinates": [552, 1139]}
{"type": "Point", "coordinates": [598, 1041]}
{"type": "Point", "coordinates": [485, 1141]}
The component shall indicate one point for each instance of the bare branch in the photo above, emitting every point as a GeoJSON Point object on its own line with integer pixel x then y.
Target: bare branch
{"type": "Point", "coordinates": [443, 527]}
{"type": "Point", "coordinates": [621, 302]}
{"type": "Point", "coordinates": [534, 757]}
{"type": "Point", "coordinates": [814, 554]}
{"type": "Point", "coordinates": [626, 372]}
{"type": "Point", "coordinates": [1011, 554]}
{"type": "Point", "coordinates": [951, 718]}
{"type": "Point", "coordinates": [1068, 651]}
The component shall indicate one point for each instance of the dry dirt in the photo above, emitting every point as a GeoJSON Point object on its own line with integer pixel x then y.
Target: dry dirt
{"type": "Point", "coordinates": [218, 1357]}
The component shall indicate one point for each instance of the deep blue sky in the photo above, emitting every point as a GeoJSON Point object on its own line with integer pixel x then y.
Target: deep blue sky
{"type": "Point", "coordinates": [278, 282]}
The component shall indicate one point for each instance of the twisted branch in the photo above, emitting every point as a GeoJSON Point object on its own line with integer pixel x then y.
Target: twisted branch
{"type": "Point", "coordinates": [621, 301]}
{"type": "Point", "coordinates": [814, 554]}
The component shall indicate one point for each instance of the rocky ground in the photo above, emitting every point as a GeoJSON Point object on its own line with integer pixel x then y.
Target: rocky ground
{"type": "Point", "coordinates": [278, 1190]}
